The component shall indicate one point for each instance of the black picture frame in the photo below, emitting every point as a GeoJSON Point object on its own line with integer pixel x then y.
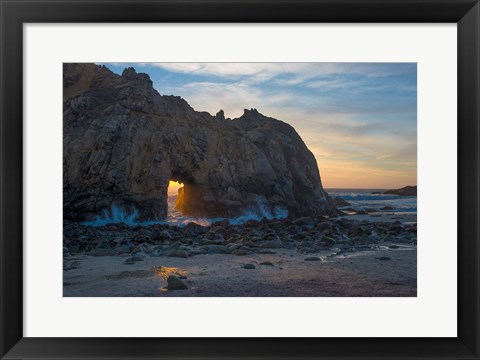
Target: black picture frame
{"type": "Point", "coordinates": [14, 13]}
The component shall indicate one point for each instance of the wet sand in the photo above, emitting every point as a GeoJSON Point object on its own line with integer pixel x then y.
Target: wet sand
{"type": "Point", "coordinates": [375, 270]}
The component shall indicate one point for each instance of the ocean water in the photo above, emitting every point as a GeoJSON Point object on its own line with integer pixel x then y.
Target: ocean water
{"type": "Point", "coordinates": [363, 199]}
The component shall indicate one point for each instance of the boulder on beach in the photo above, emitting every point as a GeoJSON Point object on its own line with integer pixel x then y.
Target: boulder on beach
{"type": "Point", "coordinates": [174, 283]}
{"type": "Point", "coordinates": [124, 142]}
{"type": "Point", "coordinates": [405, 191]}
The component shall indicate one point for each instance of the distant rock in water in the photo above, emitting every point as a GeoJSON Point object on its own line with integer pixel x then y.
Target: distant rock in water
{"type": "Point", "coordinates": [124, 142]}
{"type": "Point", "coordinates": [405, 191]}
{"type": "Point", "coordinates": [338, 201]}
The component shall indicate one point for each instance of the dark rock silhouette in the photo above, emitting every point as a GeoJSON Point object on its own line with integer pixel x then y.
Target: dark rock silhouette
{"type": "Point", "coordinates": [338, 201]}
{"type": "Point", "coordinates": [405, 191]}
{"type": "Point", "coordinates": [124, 142]}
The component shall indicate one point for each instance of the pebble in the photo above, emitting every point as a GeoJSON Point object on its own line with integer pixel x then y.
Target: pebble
{"type": "Point", "coordinates": [239, 252]}
{"type": "Point", "coordinates": [133, 259]}
{"type": "Point", "coordinates": [196, 252]}
{"type": "Point", "coordinates": [307, 221]}
{"type": "Point", "coordinates": [213, 241]}
{"type": "Point", "coordinates": [266, 263]}
{"type": "Point", "coordinates": [177, 253]}
{"type": "Point", "coordinates": [100, 252]}
{"type": "Point", "coordinates": [216, 249]}
{"type": "Point", "coordinates": [249, 266]}
{"type": "Point", "coordinates": [312, 258]}
{"type": "Point", "coordinates": [271, 244]}
{"type": "Point", "coordinates": [142, 248]}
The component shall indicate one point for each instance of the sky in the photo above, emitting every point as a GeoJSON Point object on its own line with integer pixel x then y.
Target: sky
{"type": "Point", "coordinates": [358, 119]}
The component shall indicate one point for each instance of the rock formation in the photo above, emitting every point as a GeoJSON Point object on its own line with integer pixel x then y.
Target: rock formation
{"type": "Point", "coordinates": [338, 201]}
{"type": "Point", "coordinates": [405, 191]}
{"type": "Point", "coordinates": [124, 142]}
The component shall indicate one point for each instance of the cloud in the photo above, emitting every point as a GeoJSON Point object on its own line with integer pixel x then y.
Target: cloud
{"type": "Point", "coordinates": [291, 73]}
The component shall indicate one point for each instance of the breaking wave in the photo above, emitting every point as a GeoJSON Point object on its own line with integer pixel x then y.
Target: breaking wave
{"type": "Point", "coordinates": [118, 214]}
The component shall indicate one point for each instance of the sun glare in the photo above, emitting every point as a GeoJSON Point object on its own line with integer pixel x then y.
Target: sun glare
{"type": "Point", "coordinates": [173, 187]}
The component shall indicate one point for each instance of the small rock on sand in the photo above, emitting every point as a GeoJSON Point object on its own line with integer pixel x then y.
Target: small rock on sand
{"type": "Point", "coordinates": [266, 263]}
{"type": "Point", "coordinates": [249, 266]}
{"type": "Point", "coordinates": [239, 252]}
{"type": "Point", "coordinates": [383, 258]}
{"type": "Point", "coordinates": [177, 253]}
{"type": "Point", "coordinates": [133, 259]}
{"type": "Point", "coordinates": [266, 252]}
{"type": "Point", "coordinates": [175, 283]}
{"type": "Point", "coordinates": [313, 258]}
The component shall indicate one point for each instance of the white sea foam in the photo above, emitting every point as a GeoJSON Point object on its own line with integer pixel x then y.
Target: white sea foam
{"type": "Point", "coordinates": [118, 214]}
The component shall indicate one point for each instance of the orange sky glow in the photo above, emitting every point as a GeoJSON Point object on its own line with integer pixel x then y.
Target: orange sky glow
{"type": "Point", "coordinates": [173, 187]}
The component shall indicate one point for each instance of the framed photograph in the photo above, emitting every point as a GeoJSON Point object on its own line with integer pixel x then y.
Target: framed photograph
{"type": "Point", "coordinates": [235, 179]}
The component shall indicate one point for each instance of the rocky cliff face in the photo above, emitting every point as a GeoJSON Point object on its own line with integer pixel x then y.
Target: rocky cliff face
{"type": "Point", "coordinates": [124, 142]}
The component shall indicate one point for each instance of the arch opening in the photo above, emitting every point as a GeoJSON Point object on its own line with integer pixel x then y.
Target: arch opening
{"type": "Point", "coordinates": [174, 198]}
{"type": "Point", "coordinates": [184, 196]}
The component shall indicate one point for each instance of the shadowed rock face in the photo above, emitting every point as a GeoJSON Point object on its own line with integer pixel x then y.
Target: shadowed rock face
{"type": "Point", "coordinates": [124, 142]}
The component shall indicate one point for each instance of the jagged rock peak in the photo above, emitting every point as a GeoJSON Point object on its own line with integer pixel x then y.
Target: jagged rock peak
{"type": "Point", "coordinates": [252, 111]}
{"type": "Point", "coordinates": [131, 74]}
{"type": "Point", "coordinates": [220, 115]}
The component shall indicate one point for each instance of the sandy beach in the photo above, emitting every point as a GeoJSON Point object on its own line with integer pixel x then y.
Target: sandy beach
{"type": "Point", "coordinates": [379, 272]}
{"type": "Point", "coordinates": [310, 256]}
